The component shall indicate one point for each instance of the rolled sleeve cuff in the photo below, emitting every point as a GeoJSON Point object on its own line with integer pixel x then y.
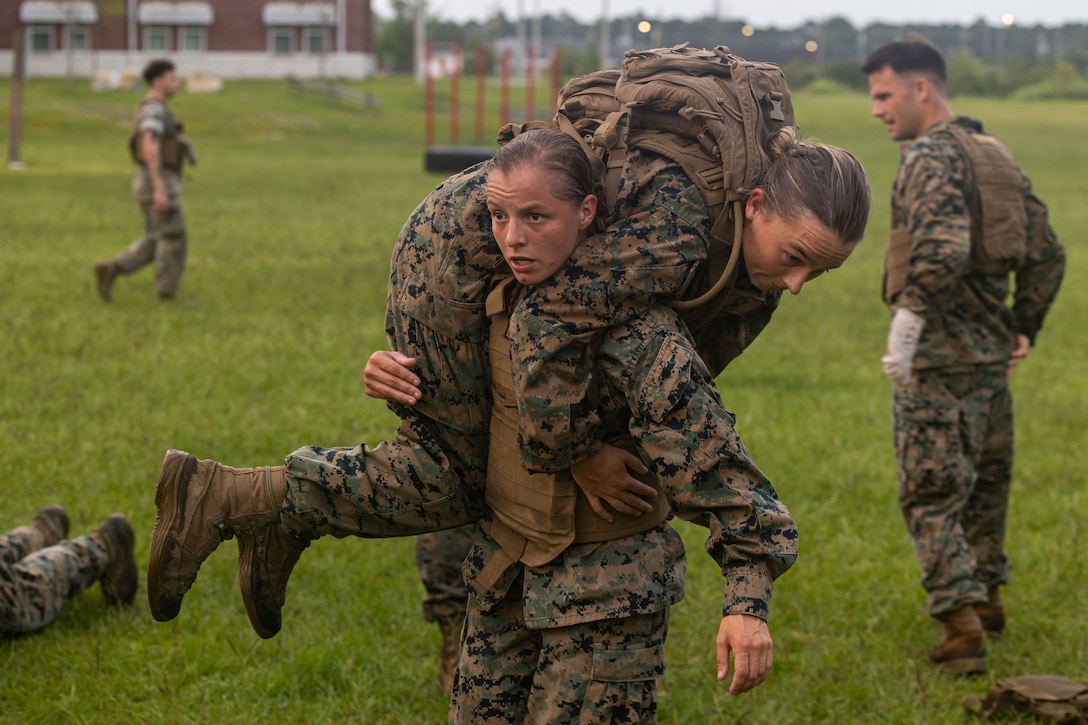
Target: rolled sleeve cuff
{"type": "Point", "coordinates": [914, 300]}
{"type": "Point", "coordinates": [748, 591]}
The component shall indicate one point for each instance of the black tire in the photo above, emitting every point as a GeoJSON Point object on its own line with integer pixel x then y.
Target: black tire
{"type": "Point", "coordinates": [451, 159]}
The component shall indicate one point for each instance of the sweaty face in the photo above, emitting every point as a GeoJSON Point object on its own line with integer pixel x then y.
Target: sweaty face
{"type": "Point", "coordinates": [895, 103]}
{"type": "Point", "coordinates": [784, 255]}
{"type": "Point", "coordinates": [536, 230]}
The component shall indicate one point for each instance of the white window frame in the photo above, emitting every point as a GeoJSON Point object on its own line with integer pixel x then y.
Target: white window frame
{"type": "Point", "coordinates": [309, 33]}
{"type": "Point", "coordinates": [282, 31]}
{"type": "Point", "coordinates": [167, 30]}
{"type": "Point", "coordinates": [74, 31]}
{"type": "Point", "coordinates": [185, 32]}
{"type": "Point", "coordinates": [48, 31]}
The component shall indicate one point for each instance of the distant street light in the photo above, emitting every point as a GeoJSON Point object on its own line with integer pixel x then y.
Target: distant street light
{"type": "Point", "coordinates": [812, 46]}
{"type": "Point", "coordinates": [644, 26]}
{"type": "Point", "coordinates": [747, 31]}
{"type": "Point", "coordinates": [1008, 20]}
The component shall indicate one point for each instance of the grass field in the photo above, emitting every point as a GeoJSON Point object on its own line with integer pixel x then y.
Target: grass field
{"type": "Point", "coordinates": [292, 214]}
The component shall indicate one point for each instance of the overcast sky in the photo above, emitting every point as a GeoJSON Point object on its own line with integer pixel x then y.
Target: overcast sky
{"type": "Point", "coordinates": [780, 13]}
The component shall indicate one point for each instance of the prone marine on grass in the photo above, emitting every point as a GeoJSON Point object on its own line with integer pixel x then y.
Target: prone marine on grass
{"type": "Point", "coordinates": [40, 567]}
{"type": "Point", "coordinates": [964, 224]}
{"type": "Point", "coordinates": [805, 218]}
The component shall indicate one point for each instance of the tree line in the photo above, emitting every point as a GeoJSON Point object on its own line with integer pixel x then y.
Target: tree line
{"type": "Point", "coordinates": [983, 59]}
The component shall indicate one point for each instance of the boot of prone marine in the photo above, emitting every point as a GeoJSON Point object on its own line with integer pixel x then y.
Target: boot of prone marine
{"type": "Point", "coordinates": [119, 577]}
{"type": "Point", "coordinates": [49, 527]}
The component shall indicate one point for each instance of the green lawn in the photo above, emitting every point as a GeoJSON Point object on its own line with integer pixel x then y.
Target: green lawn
{"type": "Point", "coordinates": [292, 214]}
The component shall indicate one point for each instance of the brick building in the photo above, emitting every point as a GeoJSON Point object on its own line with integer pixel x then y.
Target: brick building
{"type": "Point", "coordinates": [230, 38]}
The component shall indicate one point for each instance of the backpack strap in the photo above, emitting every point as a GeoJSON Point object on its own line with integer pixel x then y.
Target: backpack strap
{"type": "Point", "coordinates": [710, 302]}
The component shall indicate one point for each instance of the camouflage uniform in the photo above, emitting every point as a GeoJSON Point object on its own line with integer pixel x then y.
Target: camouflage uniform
{"type": "Point", "coordinates": [165, 241]}
{"type": "Point", "coordinates": [438, 560]}
{"type": "Point", "coordinates": [582, 637]}
{"type": "Point", "coordinates": [953, 423]}
{"type": "Point", "coordinates": [432, 475]}
{"type": "Point", "coordinates": [36, 578]}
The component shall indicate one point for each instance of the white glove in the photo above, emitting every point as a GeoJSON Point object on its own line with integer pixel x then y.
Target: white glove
{"type": "Point", "coordinates": [902, 343]}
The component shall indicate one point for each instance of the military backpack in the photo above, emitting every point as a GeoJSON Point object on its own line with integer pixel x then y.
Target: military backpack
{"type": "Point", "coordinates": [709, 111]}
{"type": "Point", "coordinates": [1046, 697]}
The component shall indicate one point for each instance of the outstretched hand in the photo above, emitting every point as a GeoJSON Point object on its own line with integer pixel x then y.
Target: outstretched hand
{"type": "Point", "coordinates": [749, 641]}
{"type": "Point", "coordinates": [605, 477]}
{"type": "Point", "coordinates": [388, 376]}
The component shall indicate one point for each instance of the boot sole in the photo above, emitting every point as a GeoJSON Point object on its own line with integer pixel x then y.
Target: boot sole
{"type": "Point", "coordinates": [172, 474]}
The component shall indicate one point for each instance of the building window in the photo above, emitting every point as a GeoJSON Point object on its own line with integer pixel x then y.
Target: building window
{"type": "Point", "coordinates": [157, 38]}
{"type": "Point", "coordinates": [41, 38]}
{"type": "Point", "coordinates": [79, 38]}
{"type": "Point", "coordinates": [315, 40]}
{"type": "Point", "coordinates": [281, 40]}
{"type": "Point", "coordinates": [193, 39]}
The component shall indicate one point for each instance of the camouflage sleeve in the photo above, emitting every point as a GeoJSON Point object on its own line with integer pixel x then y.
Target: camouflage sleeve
{"type": "Point", "coordinates": [688, 439]}
{"type": "Point", "coordinates": [439, 275]}
{"type": "Point", "coordinates": [932, 182]}
{"type": "Point", "coordinates": [1038, 279]}
{"type": "Point", "coordinates": [151, 118]}
{"type": "Point", "coordinates": [650, 252]}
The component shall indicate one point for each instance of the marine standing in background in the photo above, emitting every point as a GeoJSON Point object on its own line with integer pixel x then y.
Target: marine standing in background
{"type": "Point", "coordinates": [159, 150]}
{"type": "Point", "coordinates": [963, 220]}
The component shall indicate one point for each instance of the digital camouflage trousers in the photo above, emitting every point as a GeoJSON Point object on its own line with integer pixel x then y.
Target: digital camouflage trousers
{"type": "Point", "coordinates": [604, 671]}
{"type": "Point", "coordinates": [954, 449]}
{"type": "Point", "coordinates": [165, 240]}
{"type": "Point", "coordinates": [35, 581]}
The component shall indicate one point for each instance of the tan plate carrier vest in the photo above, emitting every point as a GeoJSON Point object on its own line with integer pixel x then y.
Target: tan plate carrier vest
{"type": "Point", "coordinates": [999, 217]}
{"type": "Point", "coordinates": [171, 145]}
{"type": "Point", "coordinates": [536, 516]}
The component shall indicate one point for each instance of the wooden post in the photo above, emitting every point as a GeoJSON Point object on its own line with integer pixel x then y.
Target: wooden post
{"type": "Point", "coordinates": [504, 89]}
{"type": "Point", "coordinates": [455, 94]}
{"type": "Point", "coordinates": [555, 82]}
{"type": "Point", "coordinates": [481, 77]}
{"type": "Point", "coordinates": [15, 108]}
{"type": "Point", "coordinates": [530, 85]}
{"type": "Point", "coordinates": [428, 98]}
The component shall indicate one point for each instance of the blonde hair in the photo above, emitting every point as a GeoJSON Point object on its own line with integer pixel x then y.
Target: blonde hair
{"type": "Point", "coordinates": [825, 181]}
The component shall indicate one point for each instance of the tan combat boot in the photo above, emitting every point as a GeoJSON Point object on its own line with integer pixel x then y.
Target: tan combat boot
{"type": "Point", "coordinates": [451, 647]}
{"type": "Point", "coordinates": [992, 614]}
{"type": "Point", "coordinates": [200, 504]}
{"type": "Point", "coordinates": [49, 527]}
{"type": "Point", "coordinates": [963, 651]}
{"type": "Point", "coordinates": [105, 273]}
{"type": "Point", "coordinates": [119, 577]}
{"type": "Point", "coordinates": [266, 556]}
